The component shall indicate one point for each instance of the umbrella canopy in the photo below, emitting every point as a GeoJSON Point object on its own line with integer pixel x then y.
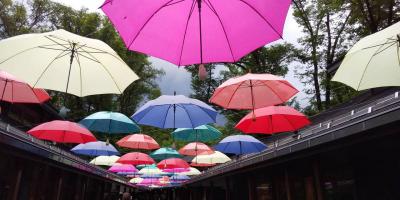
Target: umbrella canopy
{"type": "Point", "coordinates": [14, 90]}
{"type": "Point", "coordinates": [372, 62]}
{"type": "Point", "coordinates": [136, 180]}
{"type": "Point", "coordinates": [141, 166]}
{"type": "Point", "coordinates": [253, 91]}
{"type": "Point", "coordinates": [136, 158]}
{"type": "Point", "coordinates": [164, 153]}
{"type": "Point", "coordinates": [215, 158]}
{"type": "Point", "coordinates": [273, 119]}
{"type": "Point", "coordinates": [109, 122]}
{"type": "Point", "coordinates": [203, 133]}
{"type": "Point", "coordinates": [151, 176]}
{"type": "Point", "coordinates": [176, 170]}
{"type": "Point", "coordinates": [118, 167]}
{"type": "Point", "coordinates": [149, 182]}
{"type": "Point", "coordinates": [179, 177]}
{"type": "Point", "coordinates": [240, 144]}
{"type": "Point", "coordinates": [104, 160]}
{"type": "Point", "coordinates": [171, 163]}
{"type": "Point", "coordinates": [192, 172]}
{"type": "Point", "coordinates": [97, 148]}
{"type": "Point", "coordinates": [195, 148]}
{"type": "Point", "coordinates": [191, 32]}
{"type": "Point", "coordinates": [151, 169]}
{"type": "Point", "coordinates": [62, 61]}
{"type": "Point", "coordinates": [129, 174]}
{"type": "Point", "coordinates": [62, 132]}
{"type": "Point", "coordinates": [138, 141]}
{"type": "Point", "coordinates": [175, 112]}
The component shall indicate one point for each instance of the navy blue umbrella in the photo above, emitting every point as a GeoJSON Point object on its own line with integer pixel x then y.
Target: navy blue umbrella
{"type": "Point", "coordinates": [97, 148]}
{"type": "Point", "coordinates": [175, 112]}
{"type": "Point", "coordinates": [240, 144]}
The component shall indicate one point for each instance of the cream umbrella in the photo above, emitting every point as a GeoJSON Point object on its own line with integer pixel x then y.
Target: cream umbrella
{"type": "Point", "coordinates": [62, 61]}
{"type": "Point", "coordinates": [211, 159]}
{"type": "Point", "coordinates": [104, 160]}
{"type": "Point", "coordinates": [192, 172]}
{"type": "Point", "coordinates": [374, 61]}
{"type": "Point", "coordinates": [136, 180]}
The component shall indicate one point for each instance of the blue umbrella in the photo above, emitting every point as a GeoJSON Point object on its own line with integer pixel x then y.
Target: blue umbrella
{"type": "Point", "coordinates": [175, 112]}
{"type": "Point", "coordinates": [203, 133]}
{"type": "Point", "coordinates": [150, 176]}
{"type": "Point", "coordinates": [98, 148]}
{"type": "Point", "coordinates": [164, 153]}
{"type": "Point", "coordinates": [110, 122]}
{"type": "Point", "coordinates": [240, 144]}
{"type": "Point", "coordinates": [179, 177]}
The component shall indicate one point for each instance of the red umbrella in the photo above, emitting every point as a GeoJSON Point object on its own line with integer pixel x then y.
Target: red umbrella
{"type": "Point", "coordinates": [62, 132]}
{"type": "Point", "coordinates": [138, 141]}
{"type": "Point", "coordinates": [17, 91]}
{"type": "Point", "coordinates": [136, 158]}
{"type": "Point", "coordinates": [253, 91]}
{"type": "Point", "coordinates": [193, 164]}
{"type": "Point", "coordinates": [273, 119]}
{"type": "Point", "coordinates": [195, 148]}
{"type": "Point", "coordinates": [172, 163]}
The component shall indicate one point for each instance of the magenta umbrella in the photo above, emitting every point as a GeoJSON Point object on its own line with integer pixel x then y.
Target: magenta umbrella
{"type": "Point", "coordinates": [187, 32]}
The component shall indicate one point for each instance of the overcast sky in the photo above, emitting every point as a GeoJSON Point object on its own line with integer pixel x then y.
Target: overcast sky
{"type": "Point", "coordinates": [177, 79]}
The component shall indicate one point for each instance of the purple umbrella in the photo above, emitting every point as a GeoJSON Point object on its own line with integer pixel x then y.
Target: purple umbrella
{"type": "Point", "coordinates": [118, 167]}
{"type": "Point", "coordinates": [187, 32]}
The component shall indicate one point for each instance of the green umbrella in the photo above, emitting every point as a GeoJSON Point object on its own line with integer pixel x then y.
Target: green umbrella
{"type": "Point", "coordinates": [164, 153]}
{"type": "Point", "coordinates": [110, 122]}
{"type": "Point", "coordinates": [372, 62]}
{"type": "Point", "coordinates": [203, 133]}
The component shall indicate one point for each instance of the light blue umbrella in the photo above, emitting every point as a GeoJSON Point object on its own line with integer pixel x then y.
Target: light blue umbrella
{"type": "Point", "coordinates": [240, 144]}
{"type": "Point", "coordinates": [110, 122]}
{"type": "Point", "coordinates": [179, 177]}
{"type": "Point", "coordinates": [164, 153]}
{"type": "Point", "coordinates": [175, 112]}
{"type": "Point", "coordinates": [97, 148]}
{"type": "Point", "coordinates": [150, 176]}
{"type": "Point", "coordinates": [203, 133]}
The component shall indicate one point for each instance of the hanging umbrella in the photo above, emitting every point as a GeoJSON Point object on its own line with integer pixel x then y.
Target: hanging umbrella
{"type": "Point", "coordinates": [149, 181]}
{"type": "Point", "coordinates": [179, 178]}
{"type": "Point", "coordinates": [109, 122]}
{"type": "Point", "coordinates": [104, 160]}
{"type": "Point", "coordinates": [62, 132]}
{"type": "Point", "coordinates": [194, 164]}
{"type": "Point", "coordinates": [372, 62]}
{"type": "Point", "coordinates": [198, 31]}
{"type": "Point", "coordinates": [195, 148]}
{"type": "Point", "coordinates": [273, 119]}
{"type": "Point", "coordinates": [176, 170]}
{"type": "Point", "coordinates": [240, 144]}
{"type": "Point", "coordinates": [171, 163]}
{"type": "Point", "coordinates": [136, 158]}
{"type": "Point", "coordinates": [203, 133]}
{"type": "Point", "coordinates": [175, 112]}
{"type": "Point", "coordinates": [151, 169]}
{"type": "Point", "coordinates": [118, 167]}
{"type": "Point", "coordinates": [65, 62]}
{"type": "Point", "coordinates": [141, 166]}
{"type": "Point", "coordinates": [97, 148]}
{"type": "Point", "coordinates": [151, 176]}
{"type": "Point", "coordinates": [136, 180]}
{"type": "Point", "coordinates": [129, 174]}
{"type": "Point", "coordinates": [192, 172]}
{"type": "Point", "coordinates": [14, 90]}
{"type": "Point", "coordinates": [138, 141]}
{"type": "Point", "coordinates": [253, 91]}
{"type": "Point", "coordinates": [164, 153]}
{"type": "Point", "coordinates": [212, 159]}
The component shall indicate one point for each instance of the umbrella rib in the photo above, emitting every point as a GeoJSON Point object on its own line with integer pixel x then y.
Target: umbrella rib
{"type": "Point", "coordinates": [259, 14]}
{"type": "Point", "coordinates": [184, 35]}
{"type": "Point", "coordinates": [264, 83]}
{"type": "Point", "coordinates": [222, 25]}
{"type": "Point", "coordinates": [58, 43]}
{"type": "Point", "coordinates": [80, 71]}
{"type": "Point", "coordinates": [233, 94]}
{"type": "Point", "coordinates": [387, 42]}
{"type": "Point", "coordinates": [187, 113]}
{"type": "Point", "coordinates": [366, 67]}
{"type": "Point", "coordinates": [105, 68]}
{"type": "Point", "coordinates": [48, 66]}
{"type": "Point", "coordinates": [147, 21]}
{"type": "Point", "coordinates": [102, 51]}
{"type": "Point", "coordinates": [170, 4]}
{"type": "Point", "coordinates": [166, 114]}
{"type": "Point", "coordinates": [80, 54]}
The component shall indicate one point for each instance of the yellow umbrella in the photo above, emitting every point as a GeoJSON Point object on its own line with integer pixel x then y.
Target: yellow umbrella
{"type": "Point", "coordinates": [374, 61]}
{"type": "Point", "coordinates": [104, 160]}
{"type": "Point", "coordinates": [215, 158]}
{"type": "Point", "coordinates": [136, 180]}
{"type": "Point", "coordinates": [62, 61]}
{"type": "Point", "coordinates": [193, 171]}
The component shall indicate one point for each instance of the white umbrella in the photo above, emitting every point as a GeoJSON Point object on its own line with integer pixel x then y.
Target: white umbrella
{"type": "Point", "coordinates": [374, 61]}
{"type": "Point", "coordinates": [192, 172]}
{"type": "Point", "coordinates": [104, 160]}
{"type": "Point", "coordinates": [215, 158]}
{"type": "Point", "coordinates": [62, 61]}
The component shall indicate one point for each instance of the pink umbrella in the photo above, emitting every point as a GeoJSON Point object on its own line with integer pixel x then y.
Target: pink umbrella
{"type": "Point", "coordinates": [176, 170]}
{"type": "Point", "coordinates": [138, 141]}
{"type": "Point", "coordinates": [136, 158]}
{"type": "Point", "coordinates": [197, 31]}
{"type": "Point", "coordinates": [253, 91]}
{"type": "Point", "coordinates": [195, 148]}
{"type": "Point", "coordinates": [118, 167]}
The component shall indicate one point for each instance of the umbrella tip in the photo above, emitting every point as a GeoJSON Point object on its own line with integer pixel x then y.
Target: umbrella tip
{"type": "Point", "coordinates": [174, 93]}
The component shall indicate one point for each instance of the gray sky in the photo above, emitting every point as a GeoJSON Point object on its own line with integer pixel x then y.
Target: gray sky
{"type": "Point", "coordinates": [177, 79]}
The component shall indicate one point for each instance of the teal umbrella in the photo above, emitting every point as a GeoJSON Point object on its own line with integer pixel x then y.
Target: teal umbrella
{"type": "Point", "coordinates": [110, 122]}
{"type": "Point", "coordinates": [164, 153]}
{"type": "Point", "coordinates": [203, 133]}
